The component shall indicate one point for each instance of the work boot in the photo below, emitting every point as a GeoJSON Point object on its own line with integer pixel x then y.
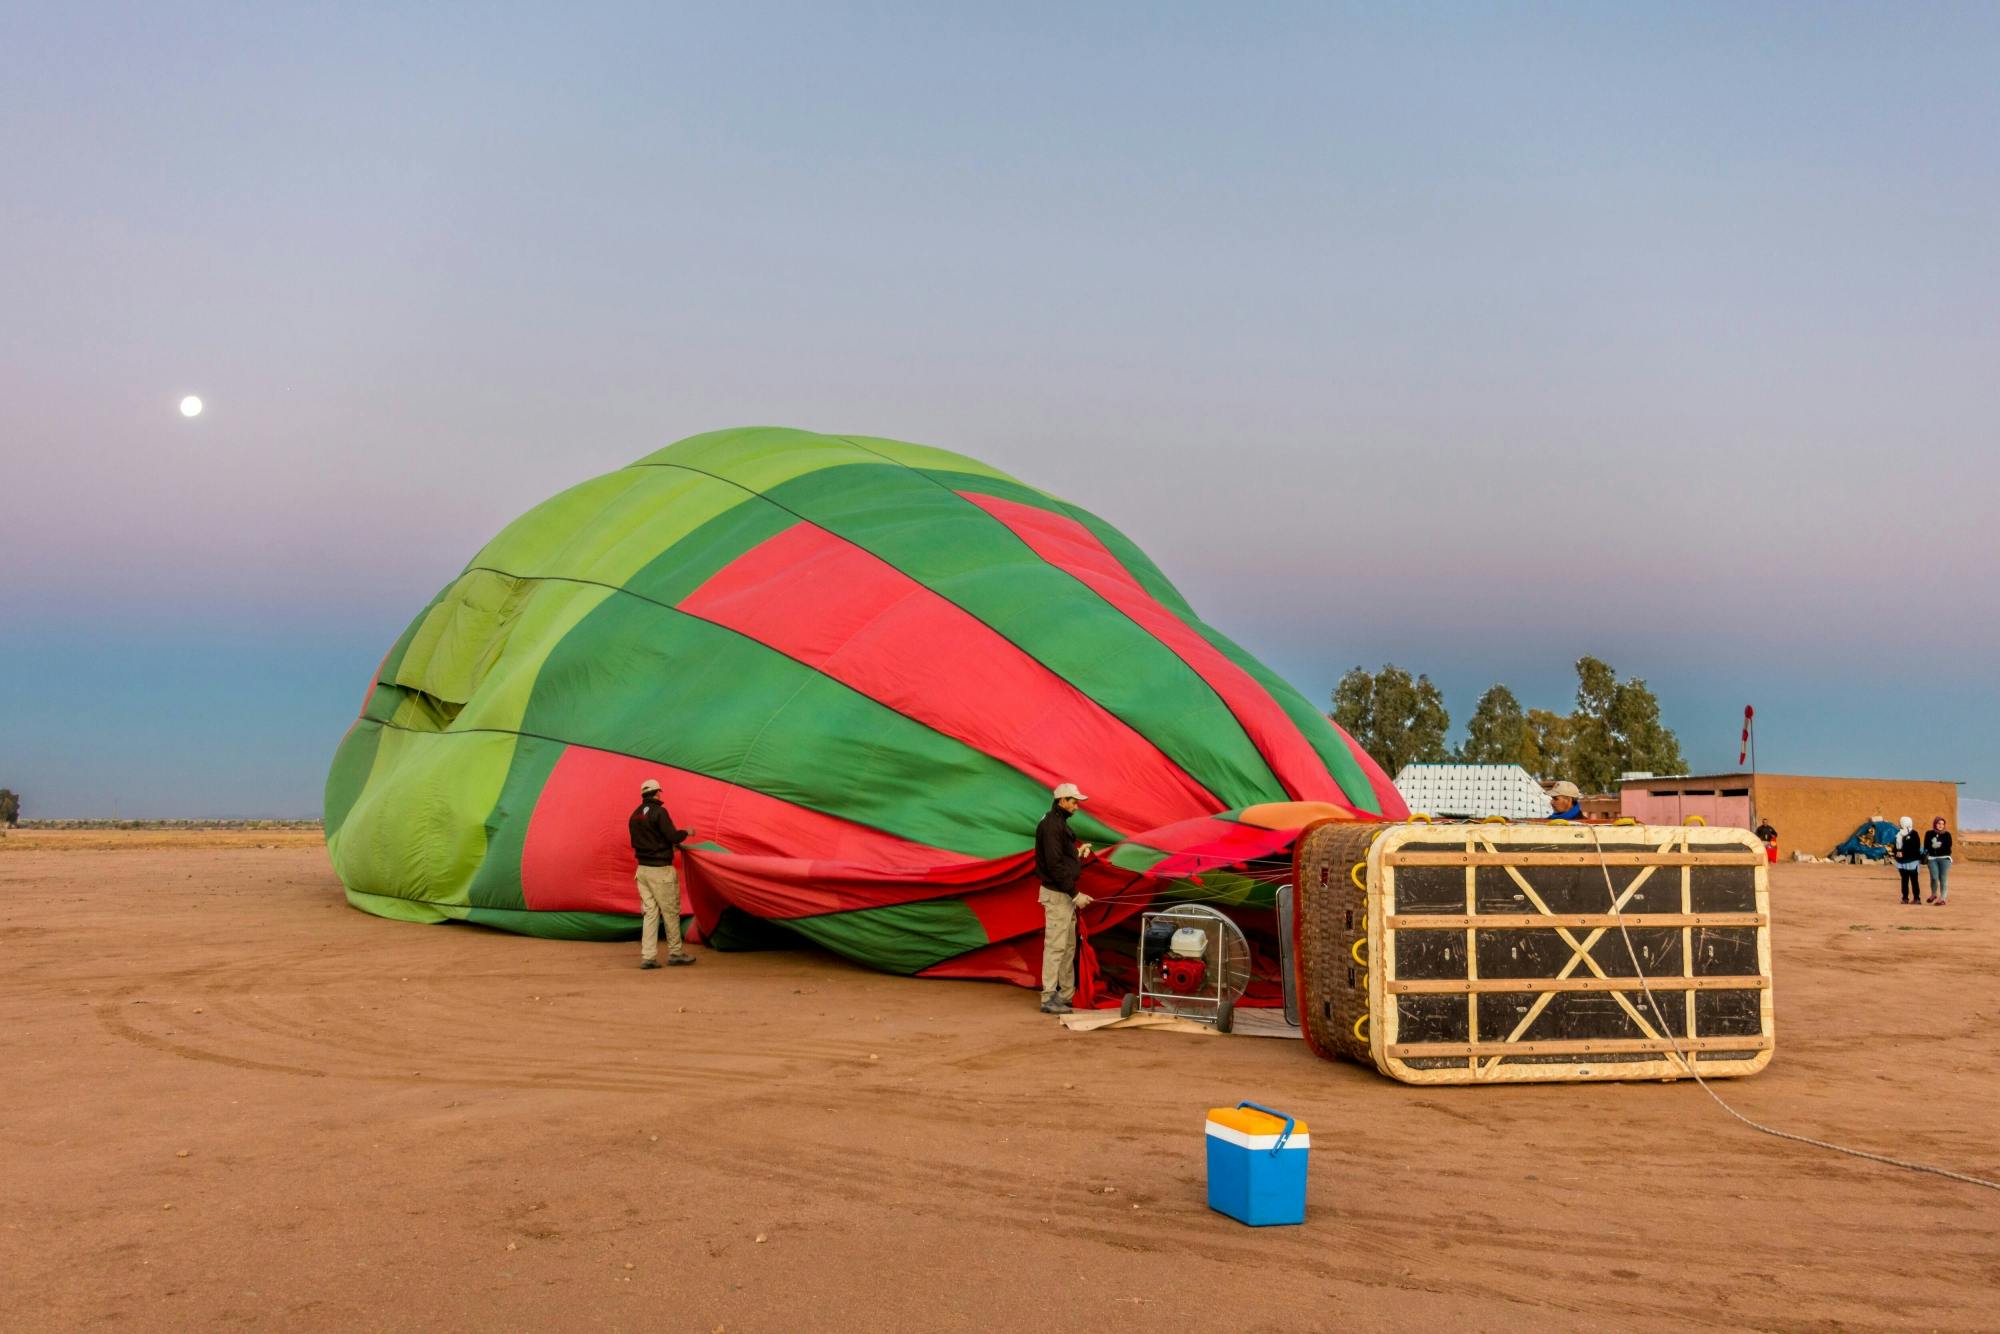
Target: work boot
{"type": "Point", "coordinates": [677, 960]}
{"type": "Point", "coordinates": [649, 963]}
{"type": "Point", "coordinates": [1056, 1005]}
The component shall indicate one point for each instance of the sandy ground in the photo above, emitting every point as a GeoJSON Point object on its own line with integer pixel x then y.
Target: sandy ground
{"type": "Point", "coordinates": [32, 839]}
{"type": "Point", "coordinates": [232, 1101]}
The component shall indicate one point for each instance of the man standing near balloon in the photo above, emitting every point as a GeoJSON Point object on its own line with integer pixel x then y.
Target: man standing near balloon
{"type": "Point", "coordinates": [654, 839]}
{"type": "Point", "coordinates": [1058, 860]}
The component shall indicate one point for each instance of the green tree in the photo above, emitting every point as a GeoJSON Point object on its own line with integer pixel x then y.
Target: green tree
{"type": "Point", "coordinates": [1645, 742]}
{"type": "Point", "coordinates": [1616, 729]}
{"type": "Point", "coordinates": [1497, 732]}
{"type": "Point", "coordinates": [1396, 719]}
{"type": "Point", "coordinates": [10, 807]}
{"type": "Point", "coordinates": [1593, 753]}
{"type": "Point", "coordinates": [1545, 744]}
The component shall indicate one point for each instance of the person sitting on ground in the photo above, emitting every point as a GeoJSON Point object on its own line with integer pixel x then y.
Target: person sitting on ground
{"type": "Point", "coordinates": [1909, 854]}
{"type": "Point", "coordinates": [1568, 801]}
{"type": "Point", "coordinates": [1937, 852]}
{"type": "Point", "coordinates": [654, 839]}
{"type": "Point", "coordinates": [1058, 860]}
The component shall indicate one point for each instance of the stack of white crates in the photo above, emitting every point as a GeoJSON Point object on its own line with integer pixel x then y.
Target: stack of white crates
{"type": "Point", "coordinates": [1473, 791]}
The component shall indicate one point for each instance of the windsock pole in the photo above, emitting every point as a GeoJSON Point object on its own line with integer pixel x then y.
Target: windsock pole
{"type": "Point", "coordinates": [1747, 749]}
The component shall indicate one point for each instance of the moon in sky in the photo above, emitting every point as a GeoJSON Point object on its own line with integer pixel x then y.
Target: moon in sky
{"type": "Point", "coordinates": [190, 406]}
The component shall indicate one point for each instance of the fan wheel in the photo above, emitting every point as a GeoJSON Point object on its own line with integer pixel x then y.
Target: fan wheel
{"type": "Point", "coordinates": [1225, 1017]}
{"type": "Point", "coordinates": [1129, 1006]}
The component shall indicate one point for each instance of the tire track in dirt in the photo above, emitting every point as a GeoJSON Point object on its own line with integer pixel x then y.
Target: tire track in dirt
{"type": "Point", "coordinates": [1388, 1248]}
{"type": "Point", "coordinates": [243, 1024]}
{"type": "Point", "coordinates": [888, 1181]}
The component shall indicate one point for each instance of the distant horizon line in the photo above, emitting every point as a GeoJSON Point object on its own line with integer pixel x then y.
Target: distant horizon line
{"type": "Point", "coordinates": [47, 821]}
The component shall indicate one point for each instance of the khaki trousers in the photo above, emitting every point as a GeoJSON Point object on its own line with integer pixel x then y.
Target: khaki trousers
{"type": "Point", "coordinates": [1058, 945]}
{"type": "Point", "coordinates": [660, 896]}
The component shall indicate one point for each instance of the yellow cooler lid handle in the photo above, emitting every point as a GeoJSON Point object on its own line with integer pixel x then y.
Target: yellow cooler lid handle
{"type": "Point", "coordinates": [1284, 1134]}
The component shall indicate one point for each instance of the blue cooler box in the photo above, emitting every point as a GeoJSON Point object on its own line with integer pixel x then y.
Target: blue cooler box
{"type": "Point", "coordinates": [1257, 1164]}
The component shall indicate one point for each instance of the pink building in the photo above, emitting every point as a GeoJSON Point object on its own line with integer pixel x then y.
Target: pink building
{"type": "Point", "coordinates": [1718, 800]}
{"type": "Point", "coordinates": [1811, 814]}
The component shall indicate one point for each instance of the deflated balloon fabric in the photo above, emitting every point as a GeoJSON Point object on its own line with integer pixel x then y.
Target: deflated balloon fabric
{"type": "Point", "coordinates": [857, 667]}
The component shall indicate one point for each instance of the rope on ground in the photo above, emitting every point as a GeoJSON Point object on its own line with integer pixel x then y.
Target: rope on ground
{"type": "Point", "coordinates": [1689, 1065]}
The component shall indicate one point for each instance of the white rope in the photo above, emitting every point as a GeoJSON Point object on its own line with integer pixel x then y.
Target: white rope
{"type": "Point", "coordinates": [1759, 1126]}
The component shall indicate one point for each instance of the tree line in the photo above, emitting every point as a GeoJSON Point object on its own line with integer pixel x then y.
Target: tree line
{"type": "Point", "coordinates": [1615, 727]}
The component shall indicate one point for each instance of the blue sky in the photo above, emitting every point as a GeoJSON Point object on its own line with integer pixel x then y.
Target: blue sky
{"type": "Point", "coordinates": [1472, 337]}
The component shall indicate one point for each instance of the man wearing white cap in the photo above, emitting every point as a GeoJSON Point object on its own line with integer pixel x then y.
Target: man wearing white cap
{"type": "Point", "coordinates": [1058, 860]}
{"type": "Point", "coordinates": [1567, 801]}
{"type": "Point", "coordinates": [654, 839]}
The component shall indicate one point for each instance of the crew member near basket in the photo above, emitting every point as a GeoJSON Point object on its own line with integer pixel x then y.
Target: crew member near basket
{"type": "Point", "coordinates": [654, 839]}
{"type": "Point", "coordinates": [1567, 801]}
{"type": "Point", "coordinates": [1058, 860]}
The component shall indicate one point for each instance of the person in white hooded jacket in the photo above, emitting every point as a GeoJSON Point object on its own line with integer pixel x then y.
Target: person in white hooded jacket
{"type": "Point", "coordinates": [1909, 855]}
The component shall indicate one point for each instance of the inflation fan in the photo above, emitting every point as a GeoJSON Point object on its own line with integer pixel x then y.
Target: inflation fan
{"type": "Point", "coordinates": [1193, 964]}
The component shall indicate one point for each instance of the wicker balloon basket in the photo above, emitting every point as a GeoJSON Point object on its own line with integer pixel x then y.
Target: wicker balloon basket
{"type": "Point", "coordinates": [1330, 938]}
{"type": "Point", "coordinates": [1495, 952]}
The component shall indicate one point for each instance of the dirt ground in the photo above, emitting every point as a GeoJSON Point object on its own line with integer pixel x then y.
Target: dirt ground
{"type": "Point", "coordinates": [1981, 845]}
{"type": "Point", "coordinates": [31, 839]}
{"type": "Point", "coordinates": [232, 1101]}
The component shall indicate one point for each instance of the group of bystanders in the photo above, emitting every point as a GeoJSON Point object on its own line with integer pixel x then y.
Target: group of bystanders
{"type": "Point", "coordinates": [1913, 851]}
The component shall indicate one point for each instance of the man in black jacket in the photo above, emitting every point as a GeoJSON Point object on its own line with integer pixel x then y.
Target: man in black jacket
{"type": "Point", "coordinates": [1058, 860]}
{"type": "Point", "coordinates": [654, 839]}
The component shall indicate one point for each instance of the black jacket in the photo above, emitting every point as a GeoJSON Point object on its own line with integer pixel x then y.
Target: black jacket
{"type": "Point", "coordinates": [654, 837]}
{"type": "Point", "coordinates": [1908, 848]}
{"type": "Point", "coordinates": [1056, 861]}
{"type": "Point", "coordinates": [1937, 843]}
